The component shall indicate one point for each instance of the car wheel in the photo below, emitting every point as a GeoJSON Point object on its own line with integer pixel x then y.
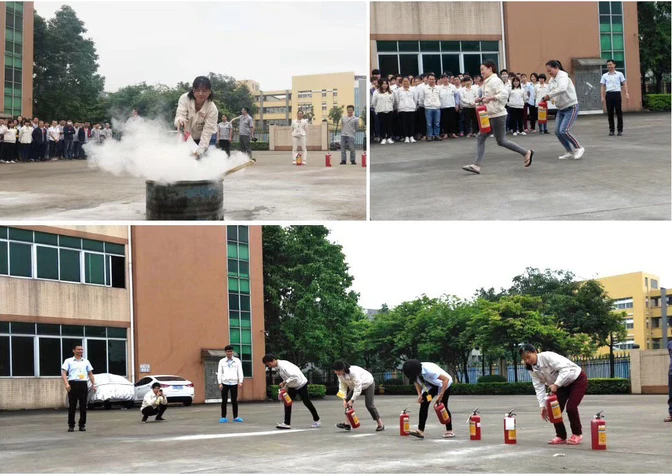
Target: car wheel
{"type": "Point", "coordinates": [187, 403]}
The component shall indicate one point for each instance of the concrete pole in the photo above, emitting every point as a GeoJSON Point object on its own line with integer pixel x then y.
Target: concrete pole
{"type": "Point", "coordinates": [663, 315]}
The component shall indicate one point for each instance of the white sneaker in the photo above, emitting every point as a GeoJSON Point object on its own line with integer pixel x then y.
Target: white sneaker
{"type": "Point", "coordinates": [492, 135]}
{"type": "Point", "coordinates": [294, 162]}
{"type": "Point", "coordinates": [315, 424]}
{"type": "Point", "coordinates": [390, 141]}
{"type": "Point", "coordinates": [407, 140]}
{"type": "Point", "coordinates": [578, 153]}
{"type": "Point", "coordinates": [383, 142]}
{"type": "Point", "coordinates": [412, 140]}
{"type": "Point", "coordinates": [282, 425]}
{"type": "Point", "coordinates": [566, 156]}
{"type": "Point", "coordinates": [523, 133]}
{"type": "Point", "coordinates": [515, 134]}
{"type": "Point", "coordinates": [12, 161]}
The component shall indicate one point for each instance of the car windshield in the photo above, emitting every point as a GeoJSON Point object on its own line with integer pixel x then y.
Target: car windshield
{"type": "Point", "coordinates": [169, 378]}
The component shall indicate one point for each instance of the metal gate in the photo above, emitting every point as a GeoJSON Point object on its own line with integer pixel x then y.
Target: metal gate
{"type": "Point", "coordinates": [212, 392]}
{"type": "Point", "coordinates": [587, 76]}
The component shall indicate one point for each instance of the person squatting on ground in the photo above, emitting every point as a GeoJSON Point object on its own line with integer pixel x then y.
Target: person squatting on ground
{"type": "Point", "coordinates": [564, 379]}
{"type": "Point", "coordinates": [197, 114]}
{"type": "Point", "coordinates": [230, 379]}
{"type": "Point", "coordinates": [354, 381]}
{"type": "Point", "coordinates": [349, 125]}
{"type": "Point", "coordinates": [495, 97]}
{"type": "Point", "coordinates": [299, 131]}
{"type": "Point", "coordinates": [561, 91]}
{"type": "Point", "coordinates": [154, 403]}
{"type": "Point", "coordinates": [75, 371]}
{"type": "Point", "coordinates": [294, 382]}
{"type": "Point", "coordinates": [429, 379]}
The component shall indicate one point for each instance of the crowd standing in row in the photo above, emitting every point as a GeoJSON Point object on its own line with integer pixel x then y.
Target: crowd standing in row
{"type": "Point", "coordinates": [37, 141]}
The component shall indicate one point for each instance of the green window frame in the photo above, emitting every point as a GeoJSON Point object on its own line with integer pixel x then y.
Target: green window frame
{"type": "Point", "coordinates": [13, 91]}
{"type": "Point", "coordinates": [239, 289]}
{"type": "Point", "coordinates": [612, 38]}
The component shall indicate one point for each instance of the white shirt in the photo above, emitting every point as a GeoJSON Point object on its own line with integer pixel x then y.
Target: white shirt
{"type": "Point", "coordinates": [357, 380]}
{"type": "Point", "coordinates": [431, 373]}
{"type": "Point", "coordinates": [10, 135]}
{"type": "Point", "coordinates": [494, 87]}
{"type": "Point", "coordinates": [540, 91]}
{"type": "Point", "coordinates": [26, 135]}
{"type": "Point", "coordinates": [383, 102]}
{"type": "Point", "coordinates": [53, 133]}
{"type": "Point", "coordinates": [291, 374]}
{"type": "Point", "coordinates": [107, 133]}
{"type": "Point", "coordinates": [517, 98]}
{"type": "Point", "coordinates": [561, 91]}
{"type": "Point", "coordinates": [468, 97]}
{"type": "Point", "coordinates": [230, 371]}
{"type": "Point", "coordinates": [202, 124]}
{"type": "Point", "coordinates": [406, 100]}
{"type": "Point", "coordinates": [430, 97]}
{"type": "Point", "coordinates": [152, 399]}
{"type": "Point", "coordinates": [299, 127]}
{"type": "Point", "coordinates": [447, 96]}
{"type": "Point", "coordinates": [613, 82]}
{"type": "Point", "coordinates": [552, 368]}
{"type": "Point", "coordinates": [77, 370]}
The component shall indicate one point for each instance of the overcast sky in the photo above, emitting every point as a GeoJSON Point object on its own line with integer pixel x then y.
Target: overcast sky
{"type": "Point", "coordinates": [395, 262]}
{"type": "Point", "coordinates": [166, 42]}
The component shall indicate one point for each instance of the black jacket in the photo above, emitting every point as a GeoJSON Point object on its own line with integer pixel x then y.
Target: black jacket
{"type": "Point", "coordinates": [68, 132]}
{"type": "Point", "coordinates": [81, 135]}
{"type": "Point", "coordinates": [37, 136]}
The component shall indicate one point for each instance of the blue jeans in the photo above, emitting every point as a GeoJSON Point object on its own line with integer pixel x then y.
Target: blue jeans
{"type": "Point", "coordinates": [433, 122]}
{"type": "Point", "coordinates": [69, 146]}
{"type": "Point", "coordinates": [564, 120]}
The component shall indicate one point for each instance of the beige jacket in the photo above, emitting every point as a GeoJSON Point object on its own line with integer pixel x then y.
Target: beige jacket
{"type": "Point", "coordinates": [552, 368]}
{"type": "Point", "coordinates": [494, 87]}
{"type": "Point", "coordinates": [202, 124]}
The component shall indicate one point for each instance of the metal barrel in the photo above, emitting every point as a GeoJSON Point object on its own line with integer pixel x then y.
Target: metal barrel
{"type": "Point", "coordinates": [185, 201]}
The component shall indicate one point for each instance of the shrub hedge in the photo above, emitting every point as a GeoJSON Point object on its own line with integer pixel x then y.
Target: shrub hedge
{"type": "Point", "coordinates": [657, 102]}
{"type": "Point", "coordinates": [315, 391]}
{"type": "Point", "coordinates": [492, 378]}
{"type": "Point", "coordinates": [253, 145]}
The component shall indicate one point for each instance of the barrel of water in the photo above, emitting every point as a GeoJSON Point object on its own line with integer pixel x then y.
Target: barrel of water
{"type": "Point", "coordinates": [185, 200]}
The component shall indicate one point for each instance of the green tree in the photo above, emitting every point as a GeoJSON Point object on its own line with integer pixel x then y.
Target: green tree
{"type": "Point", "coordinates": [654, 41]}
{"type": "Point", "coordinates": [335, 114]}
{"type": "Point", "coordinates": [307, 305]}
{"type": "Point", "coordinates": [67, 84]}
{"type": "Point", "coordinates": [230, 96]}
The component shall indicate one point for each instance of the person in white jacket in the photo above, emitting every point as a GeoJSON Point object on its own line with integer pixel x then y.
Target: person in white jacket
{"type": "Point", "coordinates": [299, 130]}
{"type": "Point", "coordinates": [383, 104]}
{"type": "Point", "coordinates": [197, 114]}
{"type": "Point", "coordinates": [26, 138]}
{"type": "Point", "coordinates": [468, 97]}
{"type": "Point", "coordinates": [540, 90]}
{"type": "Point", "coordinates": [294, 382]}
{"type": "Point", "coordinates": [562, 92]}
{"type": "Point", "coordinates": [495, 96]}
{"type": "Point", "coordinates": [354, 381]}
{"type": "Point", "coordinates": [430, 98]}
{"type": "Point", "coordinates": [154, 403]}
{"type": "Point", "coordinates": [406, 104]}
{"type": "Point", "coordinates": [516, 106]}
{"type": "Point", "coordinates": [429, 379]}
{"type": "Point", "coordinates": [230, 379]}
{"type": "Point", "coordinates": [448, 108]}
{"type": "Point", "coordinates": [566, 380]}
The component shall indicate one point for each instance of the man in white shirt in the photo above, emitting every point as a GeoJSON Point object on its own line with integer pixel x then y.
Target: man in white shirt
{"type": "Point", "coordinates": [294, 382]}
{"type": "Point", "coordinates": [75, 372]}
{"type": "Point", "coordinates": [611, 84]}
{"type": "Point", "coordinates": [230, 380]}
{"type": "Point", "coordinates": [54, 137]}
{"type": "Point", "coordinates": [154, 403]}
{"type": "Point", "coordinates": [430, 98]}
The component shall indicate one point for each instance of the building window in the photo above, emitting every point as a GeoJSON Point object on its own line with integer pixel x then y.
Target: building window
{"type": "Point", "coordinates": [38, 350]}
{"type": "Point", "coordinates": [13, 58]}
{"type": "Point", "coordinates": [623, 304]}
{"type": "Point", "coordinates": [45, 256]}
{"type": "Point", "coordinates": [240, 307]}
{"type": "Point", "coordinates": [275, 110]}
{"type": "Point", "coordinates": [305, 94]}
{"type": "Point", "coordinates": [625, 345]}
{"type": "Point", "coordinates": [335, 93]}
{"type": "Point", "coordinates": [612, 44]}
{"type": "Point", "coordinates": [654, 284]}
{"type": "Point", "coordinates": [324, 107]}
{"type": "Point", "coordinates": [629, 323]}
{"type": "Point", "coordinates": [416, 57]}
{"type": "Point", "coordinates": [656, 301]}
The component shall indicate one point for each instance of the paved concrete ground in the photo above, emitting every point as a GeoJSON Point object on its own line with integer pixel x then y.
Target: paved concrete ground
{"type": "Point", "coordinates": [619, 178]}
{"type": "Point", "coordinates": [271, 190]}
{"type": "Point", "coordinates": [192, 440]}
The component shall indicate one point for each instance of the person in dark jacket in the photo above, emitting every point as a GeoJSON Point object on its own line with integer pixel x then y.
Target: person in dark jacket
{"type": "Point", "coordinates": [68, 136]}
{"type": "Point", "coordinates": [83, 138]}
{"type": "Point", "coordinates": [38, 141]}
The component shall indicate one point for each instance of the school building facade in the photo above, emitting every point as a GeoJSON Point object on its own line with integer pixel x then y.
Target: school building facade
{"type": "Point", "coordinates": [418, 37]}
{"type": "Point", "coordinates": [16, 60]}
{"type": "Point", "coordinates": [141, 300]}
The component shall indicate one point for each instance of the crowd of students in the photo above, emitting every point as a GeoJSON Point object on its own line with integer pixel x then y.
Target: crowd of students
{"type": "Point", "coordinates": [434, 107]}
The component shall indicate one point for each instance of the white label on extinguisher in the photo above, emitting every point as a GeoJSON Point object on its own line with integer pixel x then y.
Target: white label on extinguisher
{"type": "Point", "coordinates": [510, 423]}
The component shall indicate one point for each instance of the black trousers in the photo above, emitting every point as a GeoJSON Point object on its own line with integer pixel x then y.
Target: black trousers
{"type": "Point", "coordinates": [516, 119]}
{"type": "Point", "coordinates": [154, 411]}
{"type": "Point", "coordinates": [385, 125]}
{"type": "Point", "coordinates": [613, 101]}
{"type": "Point", "coordinates": [532, 114]}
{"type": "Point", "coordinates": [424, 407]}
{"type": "Point", "coordinates": [305, 399]}
{"type": "Point", "coordinates": [396, 125]}
{"type": "Point", "coordinates": [407, 120]}
{"type": "Point", "coordinates": [234, 399]}
{"type": "Point", "coordinates": [669, 393]}
{"type": "Point", "coordinates": [226, 146]}
{"type": "Point", "coordinates": [79, 393]}
{"type": "Point", "coordinates": [421, 122]}
{"type": "Point", "coordinates": [470, 123]}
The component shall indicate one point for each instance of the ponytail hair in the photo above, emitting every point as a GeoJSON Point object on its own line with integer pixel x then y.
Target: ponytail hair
{"type": "Point", "coordinates": [341, 366]}
{"type": "Point", "coordinates": [554, 63]}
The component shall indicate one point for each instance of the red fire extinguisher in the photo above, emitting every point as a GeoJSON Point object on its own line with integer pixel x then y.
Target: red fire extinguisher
{"type": "Point", "coordinates": [442, 413]}
{"type": "Point", "coordinates": [364, 160]}
{"type": "Point", "coordinates": [352, 418]}
{"type": "Point", "coordinates": [510, 427]}
{"type": "Point", "coordinates": [483, 120]}
{"type": "Point", "coordinates": [542, 115]}
{"type": "Point", "coordinates": [475, 425]}
{"type": "Point", "coordinates": [284, 397]}
{"type": "Point", "coordinates": [553, 409]}
{"type": "Point", "coordinates": [299, 159]}
{"type": "Point", "coordinates": [598, 432]}
{"type": "Point", "coordinates": [404, 423]}
{"type": "Point", "coordinates": [327, 160]}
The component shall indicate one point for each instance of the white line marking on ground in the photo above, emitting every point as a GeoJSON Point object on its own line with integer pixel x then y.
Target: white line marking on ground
{"type": "Point", "coordinates": [363, 435]}
{"type": "Point", "coordinates": [224, 436]}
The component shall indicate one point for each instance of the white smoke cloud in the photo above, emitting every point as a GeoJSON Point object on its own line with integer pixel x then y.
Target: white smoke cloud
{"type": "Point", "coordinates": [148, 150]}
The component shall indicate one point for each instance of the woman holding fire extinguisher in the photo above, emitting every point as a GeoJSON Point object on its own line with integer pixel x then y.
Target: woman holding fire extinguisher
{"type": "Point", "coordinates": [354, 381]}
{"type": "Point", "coordinates": [566, 380]}
{"type": "Point", "coordinates": [196, 116]}
{"type": "Point", "coordinates": [431, 381]}
{"type": "Point", "coordinates": [495, 97]}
